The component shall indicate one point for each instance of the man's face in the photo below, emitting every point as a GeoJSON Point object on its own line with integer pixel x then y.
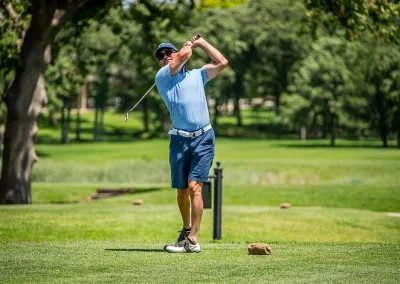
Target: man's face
{"type": "Point", "coordinates": [165, 56]}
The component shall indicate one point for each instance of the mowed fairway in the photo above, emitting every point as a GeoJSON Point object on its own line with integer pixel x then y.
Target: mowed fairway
{"type": "Point", "coordinates": [343, 226]}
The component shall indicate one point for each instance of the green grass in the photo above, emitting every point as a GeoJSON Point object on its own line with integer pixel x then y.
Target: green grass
{"type": "Point", "coordinates": [117, 219]}
{"type": "Point", "coordinates": [261, 162]}
{"type": "Point", "coordinates": [256, 172]}
{"type": "Point", "coordinates": [364, 197]}
{"type": "Point", "coordinates": [111, 240]}
{"type": "Point", "coordinates": [338, 230]}
{"type": "Point", "coordinates": [255, 124]}
{"type": "Point", "coordinates": [115, 129]}
{"type": "Point", "coordinates": [127, 262]}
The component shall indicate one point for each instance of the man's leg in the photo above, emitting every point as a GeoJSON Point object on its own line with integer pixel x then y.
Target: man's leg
{"type": "Point", "coordinates": [189, 242]}
{"type": "Point", "coordinates": [184, 206]}
{"type": "Point", "coordinates": [197, 208]}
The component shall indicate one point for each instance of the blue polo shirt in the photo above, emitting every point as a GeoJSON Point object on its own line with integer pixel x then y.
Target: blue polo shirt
{"type": "Point", "coordinates": [184, 96]}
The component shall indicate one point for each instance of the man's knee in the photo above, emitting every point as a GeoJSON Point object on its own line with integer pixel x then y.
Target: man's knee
{"type": "Point", "coordinates": [195, 187]}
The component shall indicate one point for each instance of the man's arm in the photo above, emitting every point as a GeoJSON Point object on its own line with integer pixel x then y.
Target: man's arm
{"type": "Point", "coordinates": [180, 58]}
{"type": "Point", "coordinates": [219, 61]}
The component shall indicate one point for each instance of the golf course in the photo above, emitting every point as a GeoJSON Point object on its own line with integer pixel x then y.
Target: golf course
{"type": "Point", "coordinates": [290, 109]}
{"type": "Point", "coordinates": [343, 226]}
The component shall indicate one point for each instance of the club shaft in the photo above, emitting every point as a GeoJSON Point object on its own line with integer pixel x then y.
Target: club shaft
{"type": "Point", "coordinates": [142, 97]}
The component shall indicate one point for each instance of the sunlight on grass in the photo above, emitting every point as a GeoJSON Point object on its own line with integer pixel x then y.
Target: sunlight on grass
{"type": "Point", "coordinates": [135, 262]}
{"type": "Point", "coordinates": [337, 230]}
{"type": "Point", "coordinates": [244, 162]}
{"type": "Point", "coordinates": [98, 220]}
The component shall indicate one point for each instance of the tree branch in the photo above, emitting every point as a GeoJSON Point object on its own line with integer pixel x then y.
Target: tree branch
{"type": "Point", "coordinates": [61, 16]}
{"type": "Point", "coordinates": [10, 9]}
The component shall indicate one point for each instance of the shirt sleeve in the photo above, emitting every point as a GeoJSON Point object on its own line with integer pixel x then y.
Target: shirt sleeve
{"type": "Point", "coordinates": [204, 75]}
{"type": "Point", "coordinates": [163, 77]}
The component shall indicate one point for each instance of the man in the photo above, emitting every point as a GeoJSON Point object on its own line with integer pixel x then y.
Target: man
{"type": "Point", "coordinates": [192, 137]}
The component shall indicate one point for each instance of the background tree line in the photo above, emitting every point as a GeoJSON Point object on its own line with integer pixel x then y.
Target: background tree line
{"type": "Point", "coordinates": [331, 67]}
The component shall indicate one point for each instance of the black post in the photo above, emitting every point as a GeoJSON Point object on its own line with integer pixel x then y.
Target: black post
{"type": "Point", "coordinates": [217, 201]}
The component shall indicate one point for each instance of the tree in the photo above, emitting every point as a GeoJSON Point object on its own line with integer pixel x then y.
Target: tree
{"type": "Point", "coordinates": [13, 22]}
{"type": "Point", "coordinates": [380, 17]}
{"type": "Point", "coordinates": [278, 46]}
{"type": "Point", "coordinates": [220, 3]}
{"type": "Point", "coordinates": [396, 125]}
{"type": "Point", "coordinates": [319, 87]}
{"type": "Point", "coordinates": [383, 78]}
{"type": "Point", "coordinates": [63, 83]}
{"type": "Point", "coordinates": [26, 95]}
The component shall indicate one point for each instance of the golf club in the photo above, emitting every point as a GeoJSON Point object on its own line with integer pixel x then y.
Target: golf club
{"type": "Point", "coordinates": [126, 115]}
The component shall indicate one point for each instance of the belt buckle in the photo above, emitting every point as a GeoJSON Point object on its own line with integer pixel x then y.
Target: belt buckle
{"type": "Point", "coordinates": [193, 134]}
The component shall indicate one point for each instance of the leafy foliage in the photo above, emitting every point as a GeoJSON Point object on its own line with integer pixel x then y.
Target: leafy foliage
{"type": "Point", "coordinates": [380, 17]}
{"type": "Point", "coordinates": [304, 82]}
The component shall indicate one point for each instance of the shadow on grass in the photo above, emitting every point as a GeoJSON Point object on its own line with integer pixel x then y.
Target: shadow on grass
{"type": "Point", "coordinates": [138, 250]}
{"type": "Point", "coordinates": [63, 202]}
{"type": "Point", "coordinates": [42, 154]}
{"type": "Point", "coordinates": [316, 144]}
{"type": "Point", "coordinates": [145, 190]}
{"type": "Point", "coordinates": [109, 137]}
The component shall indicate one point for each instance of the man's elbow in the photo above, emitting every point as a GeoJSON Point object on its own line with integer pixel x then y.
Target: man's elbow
{"type": "Point", "coordinates": [224, 63]}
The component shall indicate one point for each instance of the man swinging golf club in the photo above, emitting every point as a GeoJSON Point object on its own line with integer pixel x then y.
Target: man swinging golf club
{"type": "Point", "coordinates": [192, 137]}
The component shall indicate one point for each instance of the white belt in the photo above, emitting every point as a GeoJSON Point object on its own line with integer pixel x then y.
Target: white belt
{"type": "Point", "coordinates": [189, 134]}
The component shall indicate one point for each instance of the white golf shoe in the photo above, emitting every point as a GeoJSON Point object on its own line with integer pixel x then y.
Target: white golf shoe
{"type": "Point", "coordinates": [183, 246]}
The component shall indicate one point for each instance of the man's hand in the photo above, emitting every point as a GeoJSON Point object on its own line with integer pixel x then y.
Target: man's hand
{"type": "Point", "coordinates": [188, 43]}
{"type": "Point", "coordinates": [197, 41]}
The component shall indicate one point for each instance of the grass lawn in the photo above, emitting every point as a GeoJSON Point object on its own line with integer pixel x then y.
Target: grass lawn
{"type": "Point", "coordinates": [112, 241]}
{"type": "Point", "coordinates": [133, 262]}
{"type": "Point", "coordinates": [338, 230]}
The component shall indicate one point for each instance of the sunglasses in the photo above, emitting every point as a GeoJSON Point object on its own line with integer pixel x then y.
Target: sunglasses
{"type": "Point", "coordinates": [168, 52]}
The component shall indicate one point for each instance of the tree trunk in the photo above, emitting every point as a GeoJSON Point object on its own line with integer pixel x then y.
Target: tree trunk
{"type": "Point", "coordinates": [78, 125]}
{"type": "Point", "coordinates": [101, 125]}
{"type": "Point", "coordinates": [382, 108]}
{"type": "Point", "coordinates": [238, 92]}
{"type": "Point", "coordinates": [83, 96]}
{"type": "Point", "coordinates": [52, 118]}
{"type": "Point", "coordinates": [216, 113]}
{"type": "Point", "coordinates": [81, 104]}
{"type": "Point", "coordinates": [325, 122]}
{"type": "Point", "coordinates": [313, 122]}
{"type": "Point", "coordinates": [146, 115]}
{"type": "Point", "coordinates": [166, 124]}
{"type": "Point", "coordinates": [65, 121]}
{"type": "Point", "coordinates": [21, 128]}
{"type": "Point", "coordinates": [398, 138]}
{"type": "Point", "coordinates": [333, 129]}
{"type": "Point", "coordinates": [96, 125]}
{"type": "Point", "coordinates": [383, 135]}
{"type": "Point", "coordinates": [67, 126]}
{"type": "Point", "coordinates": [1, 138]}
{"type": "Point", "coordinates": [26, 97]}
{"type": "Point", "coordinates": [63, 124]}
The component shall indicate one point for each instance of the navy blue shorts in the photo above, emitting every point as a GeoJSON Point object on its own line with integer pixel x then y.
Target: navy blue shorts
{"type": "Point", "coordinates": [191, 158]}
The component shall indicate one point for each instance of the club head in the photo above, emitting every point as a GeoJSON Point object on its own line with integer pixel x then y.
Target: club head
{"type": "Point", "coordinates": [126, 117]}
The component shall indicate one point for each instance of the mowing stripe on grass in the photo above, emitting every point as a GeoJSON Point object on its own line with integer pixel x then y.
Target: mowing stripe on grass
{"type": "Point", "coordinates": [132, 262]}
